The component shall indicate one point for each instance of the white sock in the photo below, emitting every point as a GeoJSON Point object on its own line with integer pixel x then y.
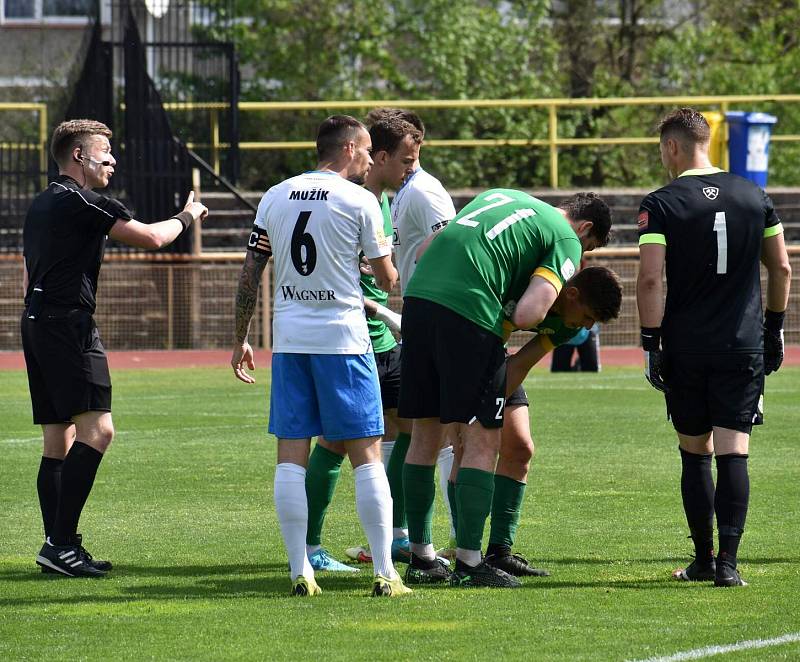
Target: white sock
{"type": "Point", "coordinates": [445, 462]}
{"type": "Point", "coordinates": [471, 557]}
{"type": "Point", "coordinates": [423, 550]}
{"type": "Point", "coordinates": [310, 549]}
{"type": "Point", "coordinates": [386, 453]}
{"type": "Point", "coordinates": [374, 506]}
{"type": "Point", "coordinates": [398, 533]}
{"type": "Point", "coordinates": [292, 508]}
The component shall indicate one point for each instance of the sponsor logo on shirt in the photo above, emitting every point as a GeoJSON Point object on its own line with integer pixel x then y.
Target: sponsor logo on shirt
{"type": "Point", "coordinates": [642, 220]}
{"type": "Point", "coordinates": [567, 269]}
{"type": "Point", "coordinates": [711, 192]}
{"type": "Point", "coordinates": [291, 293]}
{"type": "Point", "coordinates": [438, 226]}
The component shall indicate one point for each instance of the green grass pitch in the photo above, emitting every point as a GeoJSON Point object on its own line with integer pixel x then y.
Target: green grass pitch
{"type": "Point", "coordinates": [183, 507]}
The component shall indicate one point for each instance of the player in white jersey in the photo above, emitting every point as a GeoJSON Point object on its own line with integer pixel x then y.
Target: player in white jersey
{"type": "Point", "coordinates": [324, 379]}
{"type": "Point", "coordinates": [421, 207]}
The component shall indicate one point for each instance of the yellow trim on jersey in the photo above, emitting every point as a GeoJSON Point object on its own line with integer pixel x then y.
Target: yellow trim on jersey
{"type": "Point", "coordinates": [701, 171]}
{"type": "Point", "coordinates": [549, 276]}
{"type": "Point", "coordinates": [652, 238]}
{"type": "Point", "coordinates": [547, 344]}
{"type": "Point", "coordinates": [773, 230]}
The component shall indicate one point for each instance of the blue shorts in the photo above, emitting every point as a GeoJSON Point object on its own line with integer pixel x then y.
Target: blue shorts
{"type": "Point", "coordinates": [334, 395]}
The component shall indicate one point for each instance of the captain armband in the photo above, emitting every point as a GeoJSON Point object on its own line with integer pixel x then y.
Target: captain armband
{"type": "Point", "coordinates": [259, 241]}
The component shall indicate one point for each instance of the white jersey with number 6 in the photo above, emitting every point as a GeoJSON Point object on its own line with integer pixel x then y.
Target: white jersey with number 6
{"type": "Point", "coordinates": [317, 224]}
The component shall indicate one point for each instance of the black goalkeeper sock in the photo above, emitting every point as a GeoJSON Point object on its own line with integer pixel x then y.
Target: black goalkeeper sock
{"type": "Point", "coordinates": [77, 477]}
{"type": "Point", "coordinates": [730, 503]}
{"type": "Point", "coordinates": [48, 485]}
{"type": "Point", "coordinates": [697, 490]}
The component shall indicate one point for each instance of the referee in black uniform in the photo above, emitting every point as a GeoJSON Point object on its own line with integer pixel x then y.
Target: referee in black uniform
{"type": "Point", "coordinates": [64, 238]}
{"type": "Point", "coordinates": [711, 347]}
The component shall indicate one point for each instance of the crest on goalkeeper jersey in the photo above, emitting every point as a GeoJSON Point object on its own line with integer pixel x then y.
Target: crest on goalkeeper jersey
{"type": "Point", "coordinates": [711, 192]}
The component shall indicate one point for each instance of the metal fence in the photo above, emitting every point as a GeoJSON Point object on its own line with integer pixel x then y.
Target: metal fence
{"type": "Point", "coordinates": [182, 302]}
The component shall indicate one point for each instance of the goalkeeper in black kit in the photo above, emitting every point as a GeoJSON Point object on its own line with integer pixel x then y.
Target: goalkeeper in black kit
{"type": "Point", "coordinates": [709, 346]}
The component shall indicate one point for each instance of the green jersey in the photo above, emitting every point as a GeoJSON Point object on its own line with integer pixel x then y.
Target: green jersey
{"type": "Point", "coordinates": [488, 253]}
{"type": "Point", "coordinates": [552, 328]}
{"type": "Point", "coordinates": [380, 335]}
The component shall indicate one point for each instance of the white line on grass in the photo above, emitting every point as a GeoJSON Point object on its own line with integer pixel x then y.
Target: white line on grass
{"type": "Point", "coordinates": [708, 651]}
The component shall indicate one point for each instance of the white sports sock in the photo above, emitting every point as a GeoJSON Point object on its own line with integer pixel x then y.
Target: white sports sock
{"type": "Point", "coordinates": [292, 508]}
{"type": "Point", "coordinates": [374, 506]}
{"type": "Point", "coordinates": [471, 557]}
{"type": "Point", "coordinates": [445, 462]}
{"type": "Point", "coordinates": [398, 533]}
{"type": "Point", "coordinates": [423, 550]}
{"type": "Point", "coordinates": [310, 549]}
{"type": "Point", "coordinates": [386, 453]}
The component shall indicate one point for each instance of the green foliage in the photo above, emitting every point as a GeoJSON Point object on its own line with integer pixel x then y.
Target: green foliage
{"type": "Point", "coordinates": [438, 49]}
{"type": "Point", "coordinates": [183, 506]}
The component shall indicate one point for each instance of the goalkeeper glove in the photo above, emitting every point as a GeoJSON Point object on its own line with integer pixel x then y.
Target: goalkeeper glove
{"type": "Point", "coordinates": [773, 341]}
{"type": "Point", "coordinates": [653, 358]}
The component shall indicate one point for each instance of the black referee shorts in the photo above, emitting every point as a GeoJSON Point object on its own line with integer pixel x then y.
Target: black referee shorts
{"type": "Point", "coordinates": [453, 369]}
{"type": "Point", "coordinates": [388, 364]}
{"type": "Point", "coordinates": [714, 390]}
{"type": "Point", "coordinates": [67, 365]}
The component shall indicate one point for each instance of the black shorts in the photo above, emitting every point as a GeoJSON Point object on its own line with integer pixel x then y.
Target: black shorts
{"type": "Point", "coordinates": [388, 363]}
{"type": "Point", "coordinates": [67, 365]}
{"type": "Point", "coordinates": [453, 369]}
{"type": "Point", "coordinates": [714, 390]}
{"type": "Point", "coordinates": [518, 397]}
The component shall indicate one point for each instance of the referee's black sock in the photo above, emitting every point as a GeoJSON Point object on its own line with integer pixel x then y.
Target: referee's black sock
{"type": "Point", "coordinates": [730, 503]}
{"type": "Point", "coordinates": [697, 490]}
{"type": "Point", "coordinates": [48, 485]}
{"type": "Point", "coordinates": [77, 478]}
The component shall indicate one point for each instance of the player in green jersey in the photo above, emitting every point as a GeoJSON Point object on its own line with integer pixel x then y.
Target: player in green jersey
{"type": "Point", "coordinates": [503, 245]}
{"type": "Point", "coordinates": [594, 293]}
{"type": "Point", "coordinates": [395, 150]}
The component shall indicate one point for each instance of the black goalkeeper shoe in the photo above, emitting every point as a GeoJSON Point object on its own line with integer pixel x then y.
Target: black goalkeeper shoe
{"type": "Point", "coordinates": [482, 574]}
{"type": "Point", "coordinates": [422, 571]}
{"type": "Point", "coordinates": [727, 575]}
{"type": "Point", "coordinates": [697, 571]}
{"type": "Point", "coordinates": [514, 564]}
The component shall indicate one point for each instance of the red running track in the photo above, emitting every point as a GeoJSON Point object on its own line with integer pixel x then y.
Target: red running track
{"type": "Point", "coordinates": [183, 358]}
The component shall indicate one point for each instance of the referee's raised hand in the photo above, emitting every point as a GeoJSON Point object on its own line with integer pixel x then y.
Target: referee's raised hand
{"type": "Point", "coordinates": [198, 210]}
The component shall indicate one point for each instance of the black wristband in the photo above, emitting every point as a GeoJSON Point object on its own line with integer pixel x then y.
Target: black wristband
{"type": "Point", "coordinates": [185, 218]}
{"type": "Point", "coordinates": [651, 338]}
{"type": "Point", "coordinates": [773, 321]}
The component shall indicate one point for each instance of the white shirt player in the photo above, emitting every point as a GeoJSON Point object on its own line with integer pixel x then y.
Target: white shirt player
{"type": "Point", "coordinates": [317, 224]}
{"type": "Point", "coordinates": [421, 206]}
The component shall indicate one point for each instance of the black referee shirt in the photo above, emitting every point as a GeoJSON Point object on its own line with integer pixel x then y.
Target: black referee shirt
{"type": "Point", "coordinates": [712, 223]}
{"type": "Point", "coordinates": [63, 242]}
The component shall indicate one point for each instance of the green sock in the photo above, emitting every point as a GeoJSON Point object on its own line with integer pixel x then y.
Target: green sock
{"type": "Point", "coordinates": [394, 472]}
{"type": "Point", "coordinates": [419, 486]}
{"type": "Point", "coordinates": [322, 475]}
{"type": "Point", "coordinates": [474, 489]}
{"type": "Point", "coordinates": [506, 507]}
{"type": "Point", "coordinates": [451, 497]}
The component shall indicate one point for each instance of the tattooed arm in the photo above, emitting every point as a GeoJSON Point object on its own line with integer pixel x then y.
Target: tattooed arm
{"type": "Point", "coordinates": [246, 299]}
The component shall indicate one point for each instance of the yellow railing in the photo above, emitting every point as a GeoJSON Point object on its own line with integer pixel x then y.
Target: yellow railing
{"type": "Point", "coordinates": [552, 142]}
{"type": "Point", "coordinates": [41, 143]}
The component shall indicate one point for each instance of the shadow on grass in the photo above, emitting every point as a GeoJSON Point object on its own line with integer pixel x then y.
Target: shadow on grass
{"type": "Point", "coordinates": [565, 560]}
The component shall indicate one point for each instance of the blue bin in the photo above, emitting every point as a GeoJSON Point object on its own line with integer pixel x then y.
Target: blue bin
{"type": "Point", "coordinates": [748, 144]}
